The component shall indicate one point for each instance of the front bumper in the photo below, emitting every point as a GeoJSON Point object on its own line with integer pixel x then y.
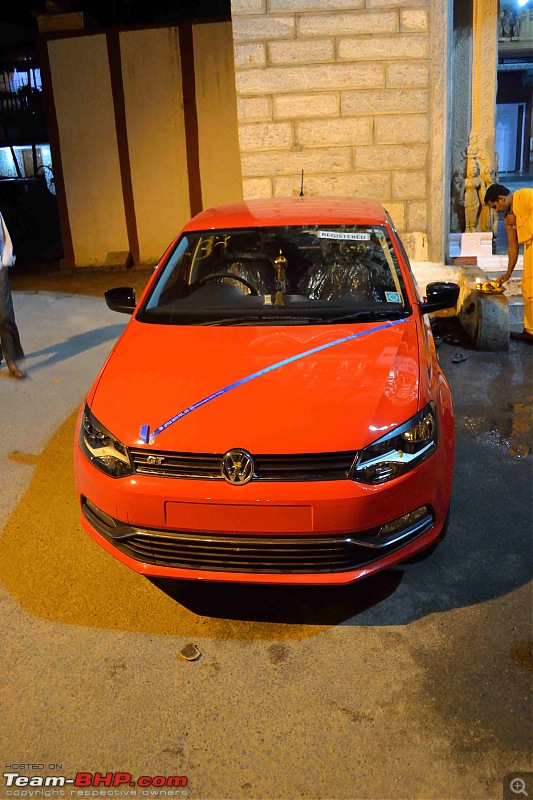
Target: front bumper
{"type": "Point", "coordinates": [188, 550]}
{"type": "Point", "coordinates": [306, 533]}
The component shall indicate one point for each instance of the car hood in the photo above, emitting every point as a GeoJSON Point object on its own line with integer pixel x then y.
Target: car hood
{"type": "Point", "coordinates": [339, 387]}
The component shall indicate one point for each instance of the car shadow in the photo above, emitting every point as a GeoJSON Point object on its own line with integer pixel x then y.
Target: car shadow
{"type": "Point", "coordinates": [74, 346]}
{"type": "Point", "coordinates": [293, 605]}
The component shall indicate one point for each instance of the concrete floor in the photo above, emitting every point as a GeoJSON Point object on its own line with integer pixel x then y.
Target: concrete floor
{"type": "Point", "coordinates": [415, 684]}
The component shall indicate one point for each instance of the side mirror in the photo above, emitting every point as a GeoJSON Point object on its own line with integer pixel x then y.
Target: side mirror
{"type": "Point", "coordinates": [439, 295]}
{"type": "Point", "coordinates": [121, 299]}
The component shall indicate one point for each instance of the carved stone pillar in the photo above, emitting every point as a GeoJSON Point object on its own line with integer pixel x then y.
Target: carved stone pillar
{"type": "Point", "coordinates": [475, 84]}
{"type": "Point", "coordinates": [461, 73]}
{"type": "Point", "coordinates": [484, 71]}
{"type": "Point", "coordinates": [484, 85]}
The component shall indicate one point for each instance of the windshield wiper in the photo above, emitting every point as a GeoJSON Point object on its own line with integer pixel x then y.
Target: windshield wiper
{"type": "Point", "coordinates": [368, 315]}
{"type": "Point", "coordinates": [280, 319]}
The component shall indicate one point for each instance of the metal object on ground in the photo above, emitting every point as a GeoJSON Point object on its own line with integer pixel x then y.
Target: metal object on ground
{"type": "Point", "coordinates": [189, 653]}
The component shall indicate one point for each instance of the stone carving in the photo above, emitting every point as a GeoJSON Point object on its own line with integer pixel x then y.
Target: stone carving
{"type": "Point", "coordinates": [475, 188]}
{"type": "Point", "coordinates": [504, 25]}
{"type": "Point", "coordinates": [478, 178]}
{"type": "Point", "coordinates": [510, 24]}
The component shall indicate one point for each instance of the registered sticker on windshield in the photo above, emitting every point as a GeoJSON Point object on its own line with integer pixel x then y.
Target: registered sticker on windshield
{"type": "Point", "coordinates": [393, 297]}
{"type": "Point", "coordinates": [352, 237]}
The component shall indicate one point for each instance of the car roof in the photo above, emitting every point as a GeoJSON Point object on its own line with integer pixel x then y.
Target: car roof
{"type": "Point", "coordinates": [290, 211]}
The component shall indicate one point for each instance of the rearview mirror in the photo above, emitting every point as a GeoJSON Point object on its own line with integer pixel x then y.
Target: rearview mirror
{"type": "Point", "coordinates": [440, 295]}
{"type": "Point", "coordinates": [121, 299]}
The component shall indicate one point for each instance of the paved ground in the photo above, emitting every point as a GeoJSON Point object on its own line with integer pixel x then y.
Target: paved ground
{"type": "Point", "coordinates": [413, 684]}
{"type": "Point", "coordinates": [48, 277]}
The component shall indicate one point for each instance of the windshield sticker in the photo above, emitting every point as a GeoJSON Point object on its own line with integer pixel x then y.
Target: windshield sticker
{"type": "Point", "coordinates": [352, 237]}
{"type": "Point", "coordinates": [393, 297]}
{"type": "Point", "coordinates": [148, 437]}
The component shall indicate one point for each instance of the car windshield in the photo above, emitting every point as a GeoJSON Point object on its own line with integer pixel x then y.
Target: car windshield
{"type": "Point", "coordinates": [311, 274]}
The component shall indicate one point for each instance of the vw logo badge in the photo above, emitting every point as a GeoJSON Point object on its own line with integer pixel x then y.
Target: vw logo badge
{"type": "Point", "coordinates": [237, 467]}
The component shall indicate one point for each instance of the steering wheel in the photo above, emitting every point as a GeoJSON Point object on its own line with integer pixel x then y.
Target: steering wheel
{"type": "Point", "coordinates": [217, 275]}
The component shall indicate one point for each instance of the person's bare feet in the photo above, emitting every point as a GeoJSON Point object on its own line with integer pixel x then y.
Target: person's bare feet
{"type": "Point", "coordinates": [14, 370]}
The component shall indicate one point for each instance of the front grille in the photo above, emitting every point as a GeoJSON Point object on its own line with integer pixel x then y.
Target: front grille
{"type": "Point", "coordinates": [291, 467]}
{"type": "Point", "coordinates": [231, 553]}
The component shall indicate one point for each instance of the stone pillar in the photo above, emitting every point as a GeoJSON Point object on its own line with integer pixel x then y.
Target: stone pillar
{"type": "Point", "coordinates": [461, 72]}
{"type": "Point", "coordinates": [484, 71]}
{"type": "Point", "coordinates": [483, 97]}
{"type": "Point", "coordinates": [475, 71]}
{"type": "Point", "coordinates": [440, 145]}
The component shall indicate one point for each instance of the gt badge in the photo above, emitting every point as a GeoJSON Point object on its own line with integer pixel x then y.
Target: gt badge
{"type": "Point", "coordinates": [155, 460]}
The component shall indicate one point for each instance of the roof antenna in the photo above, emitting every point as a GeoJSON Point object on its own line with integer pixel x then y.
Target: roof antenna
{"type": "Point", "coordinates": [302, 185]}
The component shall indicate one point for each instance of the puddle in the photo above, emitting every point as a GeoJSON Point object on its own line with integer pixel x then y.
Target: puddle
{"type": "Point", "coordinates": [513, 430]}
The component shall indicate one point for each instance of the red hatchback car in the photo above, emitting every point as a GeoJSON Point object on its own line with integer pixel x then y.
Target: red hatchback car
{"type": "Point", "coordinates": [274, 412]}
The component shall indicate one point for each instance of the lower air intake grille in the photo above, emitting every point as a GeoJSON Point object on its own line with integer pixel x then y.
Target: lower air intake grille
{"type": "Point", "coordinates": [231, 553]}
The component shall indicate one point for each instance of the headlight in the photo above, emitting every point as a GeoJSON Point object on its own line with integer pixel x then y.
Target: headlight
{"type": "Point", "coordinates": [400, 450]}
{"type": "Point", "coordinates": [102, 449]}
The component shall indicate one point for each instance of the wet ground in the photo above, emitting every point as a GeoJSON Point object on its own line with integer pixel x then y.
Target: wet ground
{"type": "Point", "coordinates": [414, 684]}
{"type": "Point", "coordinates": [494, 394]}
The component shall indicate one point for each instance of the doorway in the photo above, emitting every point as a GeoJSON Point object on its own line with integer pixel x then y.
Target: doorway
{"type": "Point", "coordinates": [514, 134]}
{"type": "Point", "coordinates": [510, 137]}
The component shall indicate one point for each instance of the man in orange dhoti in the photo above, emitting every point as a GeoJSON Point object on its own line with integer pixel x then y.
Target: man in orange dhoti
{"type": "Point", "coordinates": [518, 209]}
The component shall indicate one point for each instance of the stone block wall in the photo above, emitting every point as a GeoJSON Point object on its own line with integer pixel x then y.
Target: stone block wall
{"type": "Point", "coordinates": [342, 90]}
